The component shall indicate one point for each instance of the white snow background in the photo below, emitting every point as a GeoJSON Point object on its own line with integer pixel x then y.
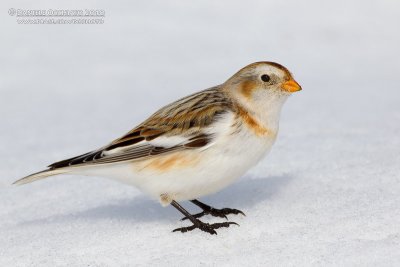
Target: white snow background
{"type": "Point", "coordinates": [327, 195]}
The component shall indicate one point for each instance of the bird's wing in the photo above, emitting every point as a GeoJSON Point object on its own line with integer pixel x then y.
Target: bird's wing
{"type": "Point", "coordinates": [185, 124]}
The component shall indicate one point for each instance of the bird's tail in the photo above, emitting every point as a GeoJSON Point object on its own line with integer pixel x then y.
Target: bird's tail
{"type": "Point", "coordinates": [39, 175]}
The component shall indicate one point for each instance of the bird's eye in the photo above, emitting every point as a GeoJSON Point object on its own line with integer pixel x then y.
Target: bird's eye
{"type": "Point", "coordinates": [265, 78]}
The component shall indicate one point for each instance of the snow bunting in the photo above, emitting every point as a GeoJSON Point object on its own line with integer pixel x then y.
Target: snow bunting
{"type": "Point", "coordinates": [195, 146]}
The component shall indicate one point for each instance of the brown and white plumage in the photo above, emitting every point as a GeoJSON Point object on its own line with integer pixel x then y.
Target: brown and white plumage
{"type": "Point", "coordinates": [196, 145]}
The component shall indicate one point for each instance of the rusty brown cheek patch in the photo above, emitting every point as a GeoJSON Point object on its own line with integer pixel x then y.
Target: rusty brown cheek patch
{"type": "Point", "coordinates": [247, 88]}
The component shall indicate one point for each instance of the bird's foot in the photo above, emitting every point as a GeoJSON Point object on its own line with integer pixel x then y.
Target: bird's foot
{"type": "Point", "coordinates": [205, 227]}
{"type": "Point", "coordinates": [221, 213]}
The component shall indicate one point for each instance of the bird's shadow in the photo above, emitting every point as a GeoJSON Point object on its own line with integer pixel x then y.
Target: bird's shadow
{"type": "Point", "coordinates": [242, 195]}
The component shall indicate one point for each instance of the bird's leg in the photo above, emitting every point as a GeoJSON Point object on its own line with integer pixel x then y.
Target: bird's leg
{"type": "Point", "coordinates": [213, 211]}
{"type": "Point", "coordinates": [205, 227]}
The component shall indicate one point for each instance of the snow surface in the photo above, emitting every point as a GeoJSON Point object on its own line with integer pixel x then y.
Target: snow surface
{"type": "Point", "coordinates": [327, 195]}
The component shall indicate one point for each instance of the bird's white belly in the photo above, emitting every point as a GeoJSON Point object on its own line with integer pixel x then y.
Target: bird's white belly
{"type": "Point", "coordinates": [192, 174]}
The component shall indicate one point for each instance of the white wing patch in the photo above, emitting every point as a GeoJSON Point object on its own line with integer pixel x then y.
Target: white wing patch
{"type": "Point", "coordinates": [169, 141]}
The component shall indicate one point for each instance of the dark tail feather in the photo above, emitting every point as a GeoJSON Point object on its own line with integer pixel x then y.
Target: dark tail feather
{"type": "Point", "coordinates": [38, 176]}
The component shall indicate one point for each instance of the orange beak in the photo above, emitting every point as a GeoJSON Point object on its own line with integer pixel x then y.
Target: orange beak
{"type": "Point", "coordinates": [291, 86]}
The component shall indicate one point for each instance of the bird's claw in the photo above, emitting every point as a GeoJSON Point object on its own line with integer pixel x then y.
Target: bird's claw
{"type": "Point", "coordinates": [221, 213]}
{"type": "Point", "coordinates": [205, 227]}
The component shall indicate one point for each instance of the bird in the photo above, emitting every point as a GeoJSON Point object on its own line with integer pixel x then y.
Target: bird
{"type": "Point", "coordinates": [195, 146]}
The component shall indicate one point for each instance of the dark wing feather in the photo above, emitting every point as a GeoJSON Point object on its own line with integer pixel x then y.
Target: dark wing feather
{"type": "Point", "coordinates": [187, 118]}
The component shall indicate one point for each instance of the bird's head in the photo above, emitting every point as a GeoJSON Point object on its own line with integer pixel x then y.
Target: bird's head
{"type": "Point", "coordinates": [260, 77]}
{"type": "Point", "coordinates": [262, 87]}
